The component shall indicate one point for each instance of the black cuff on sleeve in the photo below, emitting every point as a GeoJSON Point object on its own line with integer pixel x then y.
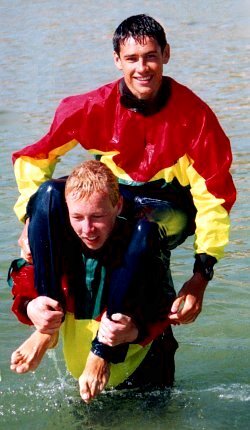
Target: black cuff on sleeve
{"type": "Point", "coordinates": [204, 265]}
{"type": "Point", "coordinates": [112, 354]}
{"type": "Point", "coordinates": [101, 350]}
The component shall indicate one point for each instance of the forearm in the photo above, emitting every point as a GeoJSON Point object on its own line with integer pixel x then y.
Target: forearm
{"type": "Point", "coordinates": [211, 185]}
{"type": "Point", "coordinates": [212, 221]}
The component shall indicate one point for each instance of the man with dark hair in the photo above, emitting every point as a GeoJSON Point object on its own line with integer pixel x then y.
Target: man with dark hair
{"type": "Point", "coordinates": [165, 146]}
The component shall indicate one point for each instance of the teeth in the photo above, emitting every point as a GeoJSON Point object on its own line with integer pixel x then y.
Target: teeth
{"type": "Point", "coordinates": [90, 238]}
{"type": "Point", "coordinates": [143, 79]}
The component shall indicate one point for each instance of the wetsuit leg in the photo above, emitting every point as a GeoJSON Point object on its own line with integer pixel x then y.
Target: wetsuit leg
{"type": "Point", "coordinates": [160, 224]}
{"type": "Point", "coordinates": [144, 234]}
{"type": "Point", "coordinates": [48, 236]}
{"type": "Point", "coordinates": [171, 220]}
{"type": "Point", "coordinates": [143, 238]}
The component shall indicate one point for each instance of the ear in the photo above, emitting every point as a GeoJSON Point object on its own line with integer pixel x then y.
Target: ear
{"type": "Point", "coordinates": [166, 54]}
{"type": "Point", "coordinates": [117, 60]}
{"type": "Point", "coordinates": [119, 205]}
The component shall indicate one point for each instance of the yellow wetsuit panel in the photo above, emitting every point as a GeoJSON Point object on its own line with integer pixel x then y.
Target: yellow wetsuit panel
{"type": "Point", "coordinates": [77, 337]}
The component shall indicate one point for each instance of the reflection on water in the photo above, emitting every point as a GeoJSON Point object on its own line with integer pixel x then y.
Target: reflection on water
{"type": "Point", "coordinates": [50, 50]}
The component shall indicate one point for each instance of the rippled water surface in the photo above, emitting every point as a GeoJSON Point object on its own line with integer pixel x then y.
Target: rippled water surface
{"type": "Point", "coordinates": [50, 49]}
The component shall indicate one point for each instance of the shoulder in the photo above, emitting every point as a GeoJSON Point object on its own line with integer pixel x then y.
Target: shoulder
{"type": "Point", "coordinates": [183, 93]}
{"type": "Point", "coordinates": [76, 105]}
{"type": "Point", "coordinates": [185, 99]}
{"type": "Point", "coordinates": [95, 95]}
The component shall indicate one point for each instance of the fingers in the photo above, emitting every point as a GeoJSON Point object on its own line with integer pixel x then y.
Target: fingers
{"type": "Point", "coordinates": [177, 304]}
{"type": "Point", "coordinates": [46, 314]}
{"type": "Point", "coordinates": [52, 304]}
{"type": "Point", "coordinates": [184, 311]}
{"type": "Point", "coordinates": [43, 303]}
{"type": "Point", "coordinates": [119, 329]}
{"type": "Point", "coordinates": [50, 322]}
{"type": "Point", "coordinates": [121, 318]}
{"type": "Point", "coordinates": [188, 304]}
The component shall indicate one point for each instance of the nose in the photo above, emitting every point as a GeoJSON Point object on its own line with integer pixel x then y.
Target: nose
{"type": "Point", "coordinates": [142, 65]}
{"type": "Point", "coordinates": [87, 226]}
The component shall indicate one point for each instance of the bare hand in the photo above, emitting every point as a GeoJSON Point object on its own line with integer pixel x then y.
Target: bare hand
{"type": "Point", "coordinates": [23, 242]}
{"type": "Point", "coordinates": [94, 377]}
{"type": "Point", "coordinates": [119, 329]}
{"type": "Point", "coordinates": [188, 304]}
{"type": "Point", "coordinates": [46, 314]}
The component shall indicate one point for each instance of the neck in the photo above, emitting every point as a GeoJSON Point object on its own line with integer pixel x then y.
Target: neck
{"type": "Point", "coordinates": [145, 106]}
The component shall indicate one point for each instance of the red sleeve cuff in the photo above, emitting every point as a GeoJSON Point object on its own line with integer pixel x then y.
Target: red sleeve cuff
{"type": "Point", "coordinates": [21, 281]}
{"type": "Point", "coordinates": [19, 308]}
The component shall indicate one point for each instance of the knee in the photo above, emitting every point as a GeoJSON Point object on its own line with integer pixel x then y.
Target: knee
{"type": "Point", "coordinates": [48, 198]}
{"type": "Point", "coordinates": [51, 192]}
{"type": "Point", "coordinates": [52, 186]}
{"type": "Point", "coordinates": [144, 235]}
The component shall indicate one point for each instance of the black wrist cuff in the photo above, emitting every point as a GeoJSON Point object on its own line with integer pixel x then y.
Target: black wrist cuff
{"type": "Point", "coordinates": [204, 265]}
{"type": "Point", "coordinates": [112, 354]}
{"type": "Point", "coordinates": [101, 350]}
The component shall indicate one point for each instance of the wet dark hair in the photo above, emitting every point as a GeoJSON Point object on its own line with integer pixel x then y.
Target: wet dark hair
{"type": "Point", "coordinates": [139, 27]}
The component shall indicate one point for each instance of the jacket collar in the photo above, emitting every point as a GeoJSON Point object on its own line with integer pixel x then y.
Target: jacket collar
{"type": "Point", "coordinates": [145, 107]}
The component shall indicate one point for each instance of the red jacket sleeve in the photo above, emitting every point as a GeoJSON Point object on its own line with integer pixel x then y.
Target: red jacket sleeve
{"type": "Point", "coordinates": [21, 281]}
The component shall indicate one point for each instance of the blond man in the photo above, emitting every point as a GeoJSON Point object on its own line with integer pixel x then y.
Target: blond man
{"type": "Point", "coordinates": [92, 289]}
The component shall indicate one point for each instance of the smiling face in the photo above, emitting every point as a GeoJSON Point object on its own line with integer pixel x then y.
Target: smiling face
{"type": "Point", "coordinates": [142, 66]}
{"type": "Point", "coordinates": [93, 217]}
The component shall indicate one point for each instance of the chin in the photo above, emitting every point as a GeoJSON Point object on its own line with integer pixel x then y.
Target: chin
{"type": "Point", "coordinates": [92, 246]}
{"type": "Point", "coordinates": [145, 95]}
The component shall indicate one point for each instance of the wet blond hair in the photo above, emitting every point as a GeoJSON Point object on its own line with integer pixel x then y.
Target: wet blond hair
{"type": "Point", "coordinates": [89, 177]}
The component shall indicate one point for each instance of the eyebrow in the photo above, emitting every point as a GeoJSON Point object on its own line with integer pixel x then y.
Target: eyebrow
{"type": "Point", "coordinates": [135, 55]}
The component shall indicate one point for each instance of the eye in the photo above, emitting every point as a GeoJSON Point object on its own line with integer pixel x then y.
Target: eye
{"type": "Point", "coordinates": [76, 217]}
{"type": "Point", "coordinates": [99, 215]}
{"type": "Point", "coordinates": [131, 59]}
{"type": "Point", "coordinates": [151, 56]}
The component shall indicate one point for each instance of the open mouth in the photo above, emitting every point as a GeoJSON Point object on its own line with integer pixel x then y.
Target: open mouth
{"type": "Point", "coordinates": [90, 239]}
{"type": "Point", "coordinates": [144, 80]}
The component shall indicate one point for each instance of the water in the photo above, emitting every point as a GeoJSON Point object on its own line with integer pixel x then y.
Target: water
{"type": "Point", "coordinates": [50, 49]}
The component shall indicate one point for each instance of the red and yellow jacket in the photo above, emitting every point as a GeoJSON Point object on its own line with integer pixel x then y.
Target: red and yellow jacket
{"type": "Point", "coordinates": [182, 143]}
